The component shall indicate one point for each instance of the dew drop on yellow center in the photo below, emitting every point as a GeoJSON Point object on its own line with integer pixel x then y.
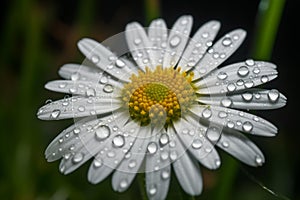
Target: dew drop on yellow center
{"type": "Point", "coordinates": [159, 96]}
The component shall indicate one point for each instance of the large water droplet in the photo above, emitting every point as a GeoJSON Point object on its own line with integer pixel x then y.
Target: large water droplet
{"type": "Point", "coordinates": [97, 162]}
{"type": "Point", "coordinates": [247, 126]}
{"type": "Point", "coordinates": [76, 131]}
{"type": "Point", "coordinates": [165, 174]}
{"type": "Point", "coordinates": [175, 40]}
{"type": "Point", "coordinates": [102, 132]}
{"type": "Point", "coordinates": [173, 155]}
{"type": "Point", "coordinates": [226, 102]}
{"type": "Point", "coordinates": [247, 96]}
{"type": "Point", "coordinates": [227, 41]}
{"type": "Point", "coordinates": [152, 147]}
{"type": "Point", "coordinates": [118, 141]}
{"type": "Point", "coordinates": [250, 62]}
{"type": "Point", "coordinates": [206, 113]}
{"type": "Point", "coordinates": [222, 75]}
{"type": "Point", "coordinates": [231, 87]}
{"type": "Point", "coordinates": [230, 124]}
{"type": "Point", "coordinates": [213, 133]}
{"type": "Point", "coordinates": [152, 190]}
{"type": "Point", "coordinates": [120, 63]}
{"type": "Point", "coordinates": [249, 84]}
{"type": "Point", "coordinates": [124, 183]}
{"type": "Point", "coordinates": [95, 59]}
{"type": "Point", "coordinates": [164, 155]}
{"type": "Point", "coordinates": [55, 114]}
{"type": "Point", "coordinates": [273, 95]}
{"type": "Point", "coordinates": [264, 79]}
{"type": "Point", "coordinates": [164, 139]}
{"type": "Point", "coordinates": [243, 71]}
{"type": "Point", "coordinates": [78, 158]}
{"type": "Point", "coordinates": [256, 70]}
{"type": "Point", "coordinates": [197, 143]}
{"type": "Point", "coordinates": [225, 144]}
{"type": "Point", "coordinates": [108, 88]}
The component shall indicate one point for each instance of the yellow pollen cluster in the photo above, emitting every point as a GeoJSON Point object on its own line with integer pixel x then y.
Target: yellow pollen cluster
{"type": "Point", "coordinates": [158, 96]}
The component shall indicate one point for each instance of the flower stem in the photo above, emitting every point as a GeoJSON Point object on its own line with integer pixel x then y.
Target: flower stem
{"type": "Point", "coordinates": [152, 9]}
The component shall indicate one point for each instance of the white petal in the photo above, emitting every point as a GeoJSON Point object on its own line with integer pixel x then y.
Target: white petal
{"type": "Point", "coordinates": [76, 106]}
{"type": "Point", "coordinates": [126, 171]}
{"type": "Point", "coordinates": [84, 142]}
{"type": "Point", "coordinates": [199, 44]}
{"type": "Point", "coordinates": [158, 169]}
{"type": "Point", "coordinates": [219, 52]}
{"type": "Point", "coordinates": [113, 151]}
{"type": "Point", "coordinates": [80, 72]}
{"type": "Point", "coordinates": [178, 38]}
{"type": "Point", "coordinates": [235, 119]}
{"type": "Point", "coordinates": [253, 99]}
{"type": "Point", "coordinates": [186, 169]}
{"type": "Point", "coordinates": [139, 45]}
{"type": "Point", "coordinates": [158, 35]}
{"type": "Point", "coordinates": [195, 141]}
{"type": "Point", "coordinates": [105, 59]}
{"type": "Point", "coordinates": [241, 147]}
{"type": "Point", "coordinates": [237, 76]}
{"type": "Point", "coordinates": [84, 88]}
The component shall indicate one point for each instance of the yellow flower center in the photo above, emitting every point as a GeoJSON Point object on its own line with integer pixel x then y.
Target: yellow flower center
{"type": "Point", "coordinates": [160, 96]}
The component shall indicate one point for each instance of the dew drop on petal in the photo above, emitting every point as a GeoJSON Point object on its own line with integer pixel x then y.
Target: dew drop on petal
{"type": "Point", "coordinates": [222, 75]}
{"type": "Point", "coordinates": [240, 82]}
{"type": "Point", "coordinates": [123, 184]}
{"type": "Point", "coordinates": [152, 190]}
{"type": "Point", "coordinates": [230, 124]}
{"type": "Point", "coordinates": [218, 162]}
{"type": "Point", "coordinates": [247, 96]}
{"type": "Point", "coordinates": [152, 147]}
{"type": "Point", "coordinates": [137, 41]}
{"type": "Point", "coordinates": [205, 35]}
{"type": "Point", "coordinates": [108, 88]}
{"type": "Point", "coordinates": [243, 71]}
{"type": "Point", "coordinates": [103, 80]}
{"type": "Point", "coordinates": [165, 174]}
{"type": "Point", "coordinates": [164, 155]}
{"type": "Point", "coordinates": [213, 133]}
{"type": "Point", "coordinates": [231, 87]}
{"type": "Point", "coordinates": [273, 95]}
{"type": "Point", "coordinates": [222, 114]}
{"type": "Point", "coordinates": [90, 92]}
{"type": "Point", "coordinates": [55, 114]}
{"type": "Point", "coordinates": [118, 141]}
{"type": "Point", "coordinates": [256, 70]}
{"type": "Point", "coordinates": [226, 102]}
{"type": "Point", "coordinates": [227, 41]}
{"type": "Point", "coordinates": [78, 158]}
{"type": "Point", "coordinates": [258, 160]}
{"type": "Point", "coordinates": [120, 63]}
{"type": "Point", "coordinates": [164, 139]}
{"type": "Point", "coordinates": [132, 163]}
{"type": "Point", "coordinates": [173, 155]}
{"type": "Point", "coordinates": [264, 79]}
{"type": "Point", "coordinates": [206, 113]}
{"type": "Point", "coordinates": [225, 144]}
{"type": "Point", "coordinates": [175, 40]}
{"type": "Point", "coordinates": [247, 126]}
{"type": "Point", "coordinates": [250, 62]}
{"type": "Point", "coordinates": [249, 84]}
{"type": "Point", "coordinates": [197, 143]}
{"type": "Point", "coordinates": [75, 76]}
{"type": "Point", "coordinates": [95, 59]}
{"type": "Point", "coordinates": [62, 85]}
{"type": "Point", "coordinates": [102, 132]}
{"type": "Point", "coordinates": [97, 163]}
{"type": "Point", "coordinates": [81, 108]}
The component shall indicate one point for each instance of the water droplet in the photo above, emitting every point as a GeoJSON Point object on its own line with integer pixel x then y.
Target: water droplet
{"type": "Point", "coordinates": [213, 133]}
{"type": "Point", "coordinates": [95, 59]}
{"type": "Point", "coordinates": [145, 61]}
{"type": "Point", "coordinates": [72, 90]}
{"type": "Point", "coordinates": [175, 40]}
{"type": "Point", "coordinates": [62, 85]}
{"type": "Point", "coordinates": [258, 160]}
{"type": "Point", "coordinates": [209, 43]}
{"type": "Point", "coordinates": [231, 87]}
{"type": "Point", "coordinates": [205, 35]}
{"type": "Point", "coordinates": [191, 63]}
{"type": "Point", "coordinates": [249, 84]}
{"type": "Point", "coordinates": [173, 155]}
{"type": "Point", "coordinates": [206, 113]}
{"type": "Point", "coordinates": [250, 62]}
{"type": "Point", "coordinates": [108, 88]}
{"type": "Point", "coordinates": [247, 126]}
{"type": "Point", "coordinates": [90, 92]}
{"type": "Point", "coordinates": [185, 131]}
{"type": "Point", "coordinates": [230, 124]}
{"type": "Point", "coordinates": [255, 118]}
{"type": "Point", "coordinates": [222, 114]}
{"type": "Point", "coordinates": [55, 114]}
{"type": "Point", "coordinates": [240, 82]}
{"type": "Point", "coordinates": [123, 184]}
{"type": "Point", "coordinates": [218, 162]}
{"type": "Point", "coordinates": [227, 41]}
{"type": "Point", "coordinates": [164, 139]}
{"type": "Point", "coordinates": [112, 58]}
{"type": "Point", "coordinates": [197, 143]}
{"type": "Point", "coordinates": [118, 141]}
{"type": "Point", "coordinates": [78, 158]}
{"type": "Point", "coordinates": [152, 147]}
{"type": "Point", "coordinates": [97, 162]}
{"type": "Point", "coordinates": [222, 75]}
{"type": "Point", "coordinates": [76, 131]}
{"type": "Point", "coordinates": [132, 163]}
{"type": "Point", "coordinates": [225, 144]}
{"type": "Point", "coordinates": [111, 154]}
{"type": "Point", "coordinates": [137, 41]}
{"type": "Point", "coordinates": [184, 21]}
{"type": "Point", "coordinates": [273, 95]}
{"type": "Point", "coordinates": [81, 108]}
{"type": "Point", "coordinates": [243, 71]}
{"type": "Point", "coordinates": [120, 63]}
{"type": "Point", "coordinates": [164, 155]}
{"type": "Point", "coordinates": [75, 76]}
{"type": "Point", "coordinates": [103, 80]}
{"type": "Point", "coordinates": [102, 132]}
{"type": "Point", "coordinates": [62, 169]}
{"type": "Point", "coordinates": [152, 190]}
{"type": "Point", "coordinates": [256, 70]}
{"type": "Point", "coordinates": [247, 96]}
{"type": "Point", "coordinates": [226, 102]}
{"type": "Point", "coordinates": [165, 174]}
{"type": "Point", "coordinates": [264, 79]}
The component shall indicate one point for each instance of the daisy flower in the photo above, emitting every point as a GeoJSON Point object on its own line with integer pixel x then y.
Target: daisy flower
{"type": "Point", "coordinates": [166, 102]}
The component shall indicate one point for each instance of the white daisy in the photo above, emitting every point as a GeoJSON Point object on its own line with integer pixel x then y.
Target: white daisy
{"type": "Point", "coordinates": [167, 105]}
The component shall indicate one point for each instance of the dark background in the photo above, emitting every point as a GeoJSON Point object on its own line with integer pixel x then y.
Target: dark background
{"type": "Point", "coordinates": [37, 37]}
